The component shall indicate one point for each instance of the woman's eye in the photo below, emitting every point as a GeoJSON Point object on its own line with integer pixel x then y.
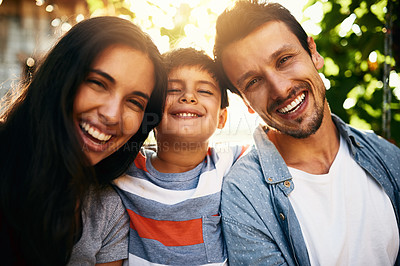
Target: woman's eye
{"type": "Point", "coordinates": [96, 82]}
{"type": "Point", "coordinates": [138, 104]}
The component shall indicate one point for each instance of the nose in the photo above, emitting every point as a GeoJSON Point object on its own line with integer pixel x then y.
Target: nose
{"type": "Point", "coordinates": [189, 98]}
{"type": "Point", "coordinates": [279, 85]}
{"type": "Point", "coordinates": [110, 111]}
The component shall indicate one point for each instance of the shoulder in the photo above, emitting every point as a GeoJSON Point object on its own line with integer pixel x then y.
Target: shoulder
{"type": "Point", "coordinates": [367, 139]}
{"type": "Point", "coordinates": [248, 161]}
{"type": "Point", "coordinates": [371, 151]}
{"type": "Point", "coordinates": [102, 203]}
{"type": "Point", "coordinates": [245, 192]}
{"type": "Point", "coordinates": [140, 162]}
{"type": "Point", "coordinates": [105, 229]}
{"type": "Point", "coordinates": [247, 171]}
{"type": "Point", "coordinates": [364, 138]}
{"type": "Point", "coordinates": [101, 195]}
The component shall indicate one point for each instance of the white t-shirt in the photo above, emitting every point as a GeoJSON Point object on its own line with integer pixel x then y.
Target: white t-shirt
{"type": "Point", "coordinates": [345, 216]}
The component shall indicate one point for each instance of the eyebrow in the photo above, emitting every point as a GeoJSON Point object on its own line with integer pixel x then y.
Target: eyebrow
{"type": "Point", "coordinates": [275, 54]}
{"type": "Point", "coordinates": [104, 74]}
{"type": "Point", "coordinates": [141, 94]}
{"type": "Point", "coordinates": [112, 80]}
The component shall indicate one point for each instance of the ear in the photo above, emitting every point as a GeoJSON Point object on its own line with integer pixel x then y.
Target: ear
{"type": "Point", "coordinates": [223, 116]}
{"type": "Point", "coordinates": [317, 59]}
{"type": "Point", "coordinates": [249, 109]}
{"type": "Point", "coordinates": [155, 132]}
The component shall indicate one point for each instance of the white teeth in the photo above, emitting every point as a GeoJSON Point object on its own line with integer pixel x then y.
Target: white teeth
{"type": "Point", "coordinates": [102, 136]}
{"type": "Point", "coordinates": [94, 132]}
{"type": "Point", "coordinates": [293, 105]}
{"type": "Point", "coordinates": [186, 115]}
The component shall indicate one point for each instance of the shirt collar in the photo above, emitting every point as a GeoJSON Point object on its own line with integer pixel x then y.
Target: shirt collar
{"type": "Point", "coordinates": [272, 163]}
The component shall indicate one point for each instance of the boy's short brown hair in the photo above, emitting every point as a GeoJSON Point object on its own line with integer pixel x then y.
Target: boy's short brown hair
{"type": "Point", "coordinates": [182, 57]}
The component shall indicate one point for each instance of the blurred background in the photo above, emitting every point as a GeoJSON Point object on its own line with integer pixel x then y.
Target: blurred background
{"type": "Point", "coordinates": [359, 40]}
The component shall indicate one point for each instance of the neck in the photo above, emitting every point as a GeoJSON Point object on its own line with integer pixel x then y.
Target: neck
{"type": "Point", "coordinates": [178, 157]}
{"type": "Point", "coordinates": [314, 154]}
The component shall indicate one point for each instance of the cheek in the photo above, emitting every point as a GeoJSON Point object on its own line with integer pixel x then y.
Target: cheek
{"type": "Point", "coordinates": [169, 101]}
{"type": "Point", "coordinates": [79, 100]}
{"type": "Point", "coordinates": [131, 123]}
{"type": "Point", "coordinates": [168, 104]}
{"type": "Point", "coordinates": [256, 98]}
{"type": "Point", "coordinates": [86, 99]}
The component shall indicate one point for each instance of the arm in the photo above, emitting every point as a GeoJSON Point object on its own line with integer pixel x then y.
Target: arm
{"type": "Point", "coordinates": [248, 246]}
{"type": "Point", "coordinates": [105, 230]}
{"type": "Point", "coordinates": [250, 226]}
{"type": "Point", "coordinates": [115, 234]}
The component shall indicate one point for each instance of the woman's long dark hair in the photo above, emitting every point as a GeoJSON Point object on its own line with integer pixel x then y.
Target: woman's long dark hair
{"type": "Point", "coordinates": [44, 173]}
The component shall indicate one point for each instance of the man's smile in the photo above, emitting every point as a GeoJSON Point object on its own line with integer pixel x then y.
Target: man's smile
{"type": "Point", "coordinates": [294, 105]}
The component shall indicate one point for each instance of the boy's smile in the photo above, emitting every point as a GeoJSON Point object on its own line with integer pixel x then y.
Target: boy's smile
{"type": "Point", "coordinates": [186, 114]}
{"type": "Point", "coordinates": [192, 110]}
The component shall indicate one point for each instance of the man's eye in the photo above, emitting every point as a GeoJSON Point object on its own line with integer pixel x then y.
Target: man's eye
{"type": "Point", "coordinates": [252, 82]}
{"type": "Point", "coordinates": [284, 59]}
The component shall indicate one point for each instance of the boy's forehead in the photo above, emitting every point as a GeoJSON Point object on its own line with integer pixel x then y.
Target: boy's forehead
{"type": "Point", "coordinates": [185, 73]}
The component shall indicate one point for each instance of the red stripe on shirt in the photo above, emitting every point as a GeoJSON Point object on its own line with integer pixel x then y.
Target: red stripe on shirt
{"type": "Point", "coordinates": [209, 151]}
{"type": "Point", "coordinates": [169, 233]}
{"type": "Point", "coordinates": [244, 148]}
{"type": "Point", "coordinates": [140, 162]}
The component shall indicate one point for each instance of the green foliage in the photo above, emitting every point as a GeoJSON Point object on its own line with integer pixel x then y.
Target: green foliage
{"type": "Point", "coordinates": [356, 82]}
{"type": "Point", "coordinates": [95, 5]}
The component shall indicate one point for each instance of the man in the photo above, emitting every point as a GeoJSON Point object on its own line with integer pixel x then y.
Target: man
{"type": "Point", "coordinates": [313, 191]}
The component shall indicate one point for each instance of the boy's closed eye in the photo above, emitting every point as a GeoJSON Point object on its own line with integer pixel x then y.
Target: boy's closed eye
{"type": "Point", "coordinates": [174, 87]}
{"type": "Point", "coordinates": [205, 91]}
{"type": "Point", "coordinates": [173, 90]}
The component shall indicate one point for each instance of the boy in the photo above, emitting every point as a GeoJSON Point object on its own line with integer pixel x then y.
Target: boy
{"type": "Point", "coordinates": [173, 195]}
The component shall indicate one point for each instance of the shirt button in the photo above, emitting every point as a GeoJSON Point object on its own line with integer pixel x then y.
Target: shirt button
{"type": "Point", "coordinates": [282, 216]}
{"type": "Point", "coordinates": [286, 183]}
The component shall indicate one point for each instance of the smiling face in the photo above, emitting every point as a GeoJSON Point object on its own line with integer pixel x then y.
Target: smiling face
{"type": "Point", "coordinates": [110, 103]}
{"type": "Point", "coordinates": [192, 111]}
{"type": "Point", "coordinates": [278, 79]}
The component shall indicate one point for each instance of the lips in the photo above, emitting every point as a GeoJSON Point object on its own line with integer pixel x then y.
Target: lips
{"type": "Point", "coordinates": [294, 105]}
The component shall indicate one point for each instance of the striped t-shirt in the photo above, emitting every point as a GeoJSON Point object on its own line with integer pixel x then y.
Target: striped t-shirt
{"type": "Point", "coordinates": [175, 217]}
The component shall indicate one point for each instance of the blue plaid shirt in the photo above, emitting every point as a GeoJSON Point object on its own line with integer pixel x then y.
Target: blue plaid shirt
{"type": "Point", "coordinates": [259, 223]}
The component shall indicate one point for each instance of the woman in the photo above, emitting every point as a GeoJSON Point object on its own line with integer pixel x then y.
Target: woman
{"type": "Point", "coordinates": [74, 128]}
